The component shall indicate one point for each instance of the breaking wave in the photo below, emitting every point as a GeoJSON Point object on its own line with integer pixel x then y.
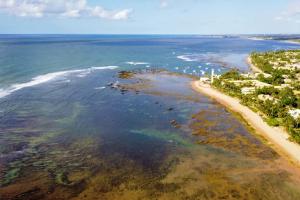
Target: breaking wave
{"type": "Point", "coordinates": [49, 77]}
{"type": "Point", "coordinates": [137, 63]}
{"type": "Point", "coordinates": [188, 58]}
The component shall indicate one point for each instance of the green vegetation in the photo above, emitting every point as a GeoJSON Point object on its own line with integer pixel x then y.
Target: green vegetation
{"type": "Point", "coordinates": [10, 176]}
{"type": "Point", "coordinates": [224, 83]}
{"type": "Point", "coordinates": [267, 91]}
{"type": "Point", "coordinates": [298, 41]}
{"type": "Point", "coordinates": [233, 74]}
{"type": "Point", "coordinates": [276, 78]}
{"type": "Point", "coordinates": [274, 93]}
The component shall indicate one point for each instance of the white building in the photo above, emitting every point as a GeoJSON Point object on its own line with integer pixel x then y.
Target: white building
{"type": "Point", "coordinates": [205, 80]}
{"type": "Point", "coordinates": [295, 113]}
{"type": "Point", "coordinates": [248, 90]}
{"type": "Point", "coordinates": [265, 97]}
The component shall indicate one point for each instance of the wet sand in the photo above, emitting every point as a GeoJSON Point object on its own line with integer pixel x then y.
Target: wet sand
{"type": "Point", "coordinates": [277, 136]}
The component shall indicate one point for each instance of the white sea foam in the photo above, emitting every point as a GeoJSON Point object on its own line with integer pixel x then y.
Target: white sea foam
{"type": "Point", "coordinates": [49, 77]}
{"type": "Point", "coordinates": [84, 73]}
{"type": "Point", "coordinates": [186, 58]}
{"type": "Point", "coordinates": [256, 38]}
{"type": "Point", "coordinates": [65, 81]}
{"type": "Point", "coordinates": [99, 88]}
{"type": "Point", "coordinates": [137, 63]}
{"type": "Point", "coordinates": [105, 67]}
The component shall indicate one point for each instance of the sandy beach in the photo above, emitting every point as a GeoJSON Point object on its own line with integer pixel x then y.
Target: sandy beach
{"type": "Point", "coordinates": [277, 136]}
{"type": "Point", "coordinates": [253, 68]}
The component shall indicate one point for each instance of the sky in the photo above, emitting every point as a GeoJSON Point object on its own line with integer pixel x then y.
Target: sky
{"type": "Point", "coordinates": [150, 16]}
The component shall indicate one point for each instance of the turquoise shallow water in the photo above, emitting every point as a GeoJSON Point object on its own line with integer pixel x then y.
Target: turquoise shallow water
{"type": "Point", "coordinates": [73, 127]}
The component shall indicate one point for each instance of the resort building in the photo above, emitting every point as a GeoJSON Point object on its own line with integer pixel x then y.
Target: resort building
{"type": "Point", "coordinates": [205, 80]}
{"type": "Point", "coordinates": [295, 113]}
{"type": "Point", "coordinates": [265, 97]}
{"type": "Point", "coordinates": [248, 90]}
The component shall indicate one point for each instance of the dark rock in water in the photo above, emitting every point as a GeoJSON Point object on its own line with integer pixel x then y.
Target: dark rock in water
{"type": "Point", "coordinates": [156, 102]}
{"type": "Point", "coordinates": [126, 74]}
{"type": "Point", "coordinates": [123, 90]}
{"type": "Point", "coordinates": [170, 109]}
{"type": "Point", "coordinates": [175, 124]}
{"type": "Point", "coordinates": [114, 85]}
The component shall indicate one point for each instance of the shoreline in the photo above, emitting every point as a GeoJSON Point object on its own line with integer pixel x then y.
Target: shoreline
{"type": "Point", "coordinates": [253, 68]}
{"type": "Point", "coordinates": [291, 42]}
{"type": "Point", "coordinates": [275, 135]}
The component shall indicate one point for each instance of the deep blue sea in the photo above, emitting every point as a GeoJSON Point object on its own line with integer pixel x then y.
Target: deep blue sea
{"type": "Point", "coordinates": [114, 117]}
{"type": "Point", "coordinates": [23, 57]}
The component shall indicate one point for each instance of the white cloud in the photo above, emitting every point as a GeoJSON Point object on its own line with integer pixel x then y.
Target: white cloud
{"type": "Point", "coordinates": [98, 11]}
{"type": "Point", "coordinates": [164, 3]}
{"type": "Point", "coordinates": [291, 13]}
{"type": "Point", "coordinates": [294, 9]}
{"type": "Point", "coordinates": [64, 8]}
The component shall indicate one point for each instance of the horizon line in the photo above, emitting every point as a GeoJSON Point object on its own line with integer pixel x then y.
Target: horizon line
{"type": "Point", "coordinates": [188, 34]}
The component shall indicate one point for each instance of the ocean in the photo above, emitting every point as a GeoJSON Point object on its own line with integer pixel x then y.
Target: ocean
{"type": "Point", "coordinates": [114, 117]}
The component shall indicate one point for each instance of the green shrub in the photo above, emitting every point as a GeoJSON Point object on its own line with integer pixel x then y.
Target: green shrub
{"type": "Point", "coordinates": [232, 74]}
{"type": "Point", "coordinates": [287, 97]}
{"type": "Point", "coordinates": [273, 122]}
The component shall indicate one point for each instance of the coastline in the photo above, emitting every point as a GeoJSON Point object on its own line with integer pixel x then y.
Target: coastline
{"type": "Point", "coordinates": [291, 42]}
{"type": "Point", "coordinates": [253, 68]}
{"type": "Point", "coordinates": [276, 136]}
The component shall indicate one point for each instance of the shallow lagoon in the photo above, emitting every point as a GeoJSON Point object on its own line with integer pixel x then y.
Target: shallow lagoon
{"type": "Point", "coordinates": [150, 137]}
